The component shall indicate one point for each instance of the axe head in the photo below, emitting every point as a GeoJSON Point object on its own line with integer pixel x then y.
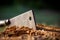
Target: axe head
{"type": "Point", "coordinates": [25, 19]}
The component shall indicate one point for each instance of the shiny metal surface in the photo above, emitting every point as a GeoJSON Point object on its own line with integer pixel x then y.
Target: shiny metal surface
{"type": "Point", "coordinates": [25, 19]}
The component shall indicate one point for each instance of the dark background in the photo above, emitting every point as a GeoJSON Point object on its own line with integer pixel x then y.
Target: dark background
{"type": "Point", "coordinates": [46, 11]}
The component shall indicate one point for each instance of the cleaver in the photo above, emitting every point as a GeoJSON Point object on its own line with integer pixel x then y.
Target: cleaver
{"type": "Point", "coordinates": [25, 19]}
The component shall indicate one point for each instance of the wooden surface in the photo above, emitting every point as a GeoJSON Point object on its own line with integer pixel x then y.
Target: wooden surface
{"type": "Point", "coordinates": [25, 33]}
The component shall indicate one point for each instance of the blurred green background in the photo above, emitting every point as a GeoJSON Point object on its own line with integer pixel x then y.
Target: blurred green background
{"type": "Point", "coordinates": [45, 11]}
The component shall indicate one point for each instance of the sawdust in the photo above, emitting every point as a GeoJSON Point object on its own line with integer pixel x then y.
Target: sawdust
{"type": "Point", "coordinates": [25, 33]}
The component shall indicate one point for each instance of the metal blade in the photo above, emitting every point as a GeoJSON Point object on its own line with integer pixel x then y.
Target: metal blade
{"type": "Point", "coordinates": [26, 19]}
